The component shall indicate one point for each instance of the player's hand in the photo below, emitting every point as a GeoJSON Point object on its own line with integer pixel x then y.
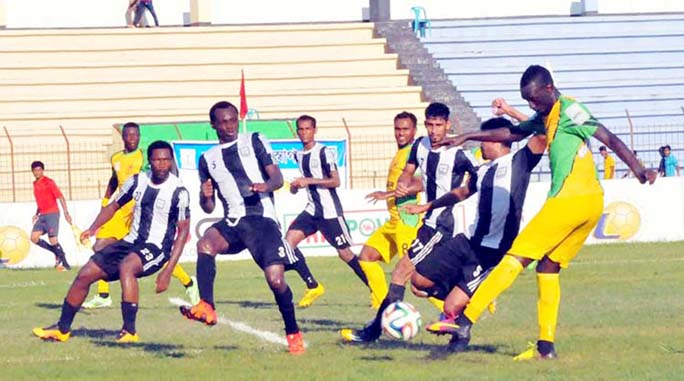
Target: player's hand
{"type": "Point", "coordinates": [451, 142]}
{"type": "Point", "coordinates": [299, 182]}
{"type": "Point", "coordinates": [415, 209]}
{"type": "Point", "coordinates": [401, 190]}
{"type": "Point", "coordinates": [163, 281]}
{"type": "Point", "coordinates": [500, 107]}
{"type": "Point", "coordinates": [85, 236]}
{"type": "Point", "coordinates": [67, 217]}
{"type": "Point", "coordinates": [207, 189]}
{"type": "Point", "coordinates": [419, 293]}
{"type": "Point", "coordinates": [647, 175]}
{"type": "Point", "coordinates": [34, 218]}
{"type": "Point", "coordinates": [259, 188]}
{"type": "Point", "coordinates": [377, 196]}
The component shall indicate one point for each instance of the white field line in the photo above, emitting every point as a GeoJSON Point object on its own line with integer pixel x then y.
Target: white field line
{"type": "Point", "coordinates": [30, 283]}
{"type": "Point", "coordinates": [624, 261]}
{"type": "Point", "coordinates": [240, 326]}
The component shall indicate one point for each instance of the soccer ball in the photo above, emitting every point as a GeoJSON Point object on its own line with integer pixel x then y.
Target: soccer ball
{"type": "Point", "coordinates": [622, 220]}
{"type": "Point", "coordinates": [14, 245]}
{"type": "Point", "coordinates": [401, 320]}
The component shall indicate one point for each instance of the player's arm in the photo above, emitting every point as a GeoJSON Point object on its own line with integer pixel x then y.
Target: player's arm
{"type": "Point", "coordinates": [111, 188]}
{"type": "Point", "coordinates": [537, 144]}
{"type": "Point", "coordinates": [182, 234]}
{"type": "Point", "coordinates": [108, 211]}
{"type": "Point", "coordinates": [263, 152]}
{"type": "Point", "coordinates": [207, 193]}
{"type": "Point", "coordinates": [499, 135]}
{"type": "Point", "coordinates": [328, 182]}
{"type": "Point", "coordinates": [455, 196]}
{"type": "Point", "coordinates": [62, 201]}
{"type": "Point", "coordinates": [406, 185]}
{"type": "Point", "coordinates": [625, 154]}
{"type": "Point", "coordinates": [501, 108]}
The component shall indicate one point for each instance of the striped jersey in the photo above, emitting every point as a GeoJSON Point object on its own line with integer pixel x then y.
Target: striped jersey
{"type": "Point", "coordinates": [442, 169]}
{"type": "Point", "coordinates": [232, 168]}
{"type": "Point", "coordinates": [157, 210]}
{"type": "Point", "coordinates": [318, 163]}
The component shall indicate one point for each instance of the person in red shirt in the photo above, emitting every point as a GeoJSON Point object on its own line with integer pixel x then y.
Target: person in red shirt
{"type": "Point", "coordinates": [46, 219]}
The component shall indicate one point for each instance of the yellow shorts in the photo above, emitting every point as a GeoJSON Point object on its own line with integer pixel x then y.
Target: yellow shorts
{"type": "Point", "coordinates": [119, 225]}
{"type": "Point", "coordinates": [560, 228]}
{"type": "Point", "coordinates": [393, 237]}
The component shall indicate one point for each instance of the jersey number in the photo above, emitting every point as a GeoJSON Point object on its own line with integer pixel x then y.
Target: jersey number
{"type": "Point", "coordinates": [340, 240]}
{"type": "Point", "coordinates": [147, 254]}
{"type": "Point", "coordinates": [281, 252]}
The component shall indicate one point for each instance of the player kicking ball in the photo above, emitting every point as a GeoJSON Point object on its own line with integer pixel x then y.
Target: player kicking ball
{"type": "Point", "coordinates": [161, 209]}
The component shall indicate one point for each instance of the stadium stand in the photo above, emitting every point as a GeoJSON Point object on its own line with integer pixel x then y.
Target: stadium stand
{"type": "Point", "coordinates": [88, 80]}
{"type": "Point", "coordinates": [610, 63]}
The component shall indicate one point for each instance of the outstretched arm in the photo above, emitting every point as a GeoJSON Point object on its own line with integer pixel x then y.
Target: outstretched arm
{"type": "Point", "coordinates": [501, 107]}
{"type": "Point", "coordinates": [183, 231]}
{"type": "Point", "coordinates": [625, 154]}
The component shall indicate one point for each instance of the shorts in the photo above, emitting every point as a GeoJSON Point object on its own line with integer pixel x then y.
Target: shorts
{"type": "Point", "coordinates": [47, 223]}
{"type": "Point", "coordinates": [335, 230]}
{"type": "Point", "coordinates": [119, 225]}
{"type": "Point", "coordinates": [453, 263]}
{"type": "Point", "coordinates": [109, 258]}
{"type": "Point", "coordinates": [560, 228]}
{"type": "Point", "coordinates": [392, 238]}
{"type": "Point", "coordinates": [427, 239]}
{"type": "Point", "coordinates": [260, 235]}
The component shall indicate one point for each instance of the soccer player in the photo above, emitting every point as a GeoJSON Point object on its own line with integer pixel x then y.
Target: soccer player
{"type": "Point", "coordinates": [46, 219]}
{"type": "Point", "coordinates": [442, 169]}
{"type": "Point", "coordinates": [608, 164]}
{"type": "Point", "coordinates": [394, 236]}
{"type": "Point", "coordinates": [242, 171]}
{"type": "Point", "coordinates": [161, 209]}
{"type": "Point", "coordinates": [323, 212]}
{"type": "Point", "coordinates": [125, 164]}
{"type": "Point", "coordinates": [572, 209]}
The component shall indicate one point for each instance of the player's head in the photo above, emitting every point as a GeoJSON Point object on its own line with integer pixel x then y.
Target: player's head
{"type": "Point", "coordinates": [130, 133]}
{"type": "Point", "coordinates": [437, 121]}
{"type": "Point", "coordinates": [537, 88]}
{"type": "Point", "coordinates": [37, 168]}
{"type": "Point", "coordinates": [224, 119]}
{"type": "Point", "coordinates": [306, 129]}
{"type": "Point", "coordinates": [405, 128]}
{"type": "Point", "coordinates": [493, 150]}
{"type": "Point", "coordinates": [603, 150]}
{"type": "Point", "coordinates": [666, 150]}
{"type": "Point", "coordinates": [160, 157]}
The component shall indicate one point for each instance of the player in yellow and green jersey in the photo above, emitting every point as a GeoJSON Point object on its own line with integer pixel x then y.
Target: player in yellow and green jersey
{"type": "Point", "coordinates": [126, 163]}
{"type": "Point", "coordinates": [571, 211]}
{"type": "Point", "coordinates": [395, 236]}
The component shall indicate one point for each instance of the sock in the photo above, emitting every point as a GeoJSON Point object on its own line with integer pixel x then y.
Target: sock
{"type": "Point", "coordinates": [206, 272]}
{"type": "Point", "coordinates": [547, 305]}
{"type": "Point", "coordinates": [354, 264]}
{"type": "Point", "coordinates": [128, 312]}
{"type": "Point", "coordinates": [396, 293]}
{"type": "Point", "coordinates": [57, 249]}
{"type": "Point", "coordinates": [287, 310]}
{"type": "Point", "coordinates": [302, 268]}
{"type": "Point", "coordinates": [180, 274]}
{"type": "Point", "coordinates": [545, 347]}
{"type": "Point", "coordinates": [42, 243]}
{"type": "Point", "coordinates": [189, 284]}
{"type": "Point", "coordinates": [67, 316]}
{"type": "Point", "coordinates": [501, 277]}
{"type": "Point", "coordinates": [376, 279]}
{"type": "Point", "coordinates": [103, 289]}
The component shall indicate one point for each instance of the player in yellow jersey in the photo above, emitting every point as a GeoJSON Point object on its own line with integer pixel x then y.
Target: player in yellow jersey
{"type": "Point", "coordinates": [395, 236]}
{"type": "Point", "coordinates": [125, 164]}
{"type": "Point", "coordinates": [571, 211]}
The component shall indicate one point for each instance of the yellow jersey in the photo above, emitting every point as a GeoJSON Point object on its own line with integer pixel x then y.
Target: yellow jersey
{"type": "Point", "coordinates": [608, 168]}
{"type": "Point", "coordinates": [396, 168]}
{"type": "Point", "coordinates": [126, 165]}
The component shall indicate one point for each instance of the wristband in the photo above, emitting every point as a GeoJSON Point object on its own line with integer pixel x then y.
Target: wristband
{"type": "Point", "coordinates": [105, 202]}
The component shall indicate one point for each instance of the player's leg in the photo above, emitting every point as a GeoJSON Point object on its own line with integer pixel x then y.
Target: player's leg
{"type": "Point", "coordinates": [378, 247]}
{"type": "Point", "coordinates": [103, 298]}
{"type": "Point", "coordinates": [52, 224]}
{"type": "Point", "coordinates": [298, 231]}
{"type": "Point", "coordinates": [275, 277]}
{"type": "Point", "coordinates": [40, 228]}
{"type": "Point", "coordinates": [191, 288]}
{"type": "Point", "coordinates": [129, 269]}
{"type": "Point", "coordinates": [336, 232]}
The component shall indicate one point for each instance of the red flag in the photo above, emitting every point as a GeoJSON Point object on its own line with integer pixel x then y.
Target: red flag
{"type": "Point", "coordinates": [243, 97]}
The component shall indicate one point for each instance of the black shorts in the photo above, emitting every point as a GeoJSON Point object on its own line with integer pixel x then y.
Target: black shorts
{"type": "Point", "coordinates": [453, 263]}
{"type": "Point", "coordinates": [47, 223]}
{"type": "Point", "coordinates": [427, 240]}
{"type": "Point", "coordinates": [109, 258]}
{"type": "Point", "coordinates": [335, 230]}
{"type": "Point", "coordinates": [260, 235]}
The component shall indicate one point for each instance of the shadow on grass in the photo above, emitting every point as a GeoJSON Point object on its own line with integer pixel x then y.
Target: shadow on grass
{"type": "Point", "coordinates": [248, 304]}
{"type": "Point", "coordinates": [162, 350]}
{"type": "Point", "coordinates": [441, 352]}
{"type": "Point", "coordinates": [226, 347]}
{"type": "Point", "coordinates": [324, 325]}
{"type": "Point", "coordinates": [49, 306]}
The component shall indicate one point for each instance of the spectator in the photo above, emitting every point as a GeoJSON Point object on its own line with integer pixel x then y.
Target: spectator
{"type": "Point", "coordinates": [140, 12]}
{"type": "Point", "coordinates": [130, 11]}
{"type": "Point", "coordinates": [670, 163]}
{"type": "Point", "coordinates": [608, 164]}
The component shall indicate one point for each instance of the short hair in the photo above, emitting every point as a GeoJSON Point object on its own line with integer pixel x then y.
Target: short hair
{"type": "Point", "coordinates": [158, 144]}
{"type": "Point", "coordinates": [667, 147]}
{"type": "Point", "coordinates": [305, 117]}
{"type": "Point", "coordinates": [220, 105]}
{"type": "Point", "coordinates": [537, 74]}
{"type": "Point", "coordinates": [130, 125]}
{"type": "Point", "coordinates": [603, 148]}
{"type": "Point", "coordinates": [37, 164]}
{"type": "Point", "coordinates": [437, 110]}
{"type": "Point", "coordinates": [494, 123]}
{"type": "Point", "coordinates": [407, 115]}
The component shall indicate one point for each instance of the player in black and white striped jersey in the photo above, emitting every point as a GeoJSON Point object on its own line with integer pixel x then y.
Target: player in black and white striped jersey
{"type": "Point", "coordinates": [242, 171]}
{"type": "Point", "coordinates": [323, 212]}
{"type": "Point", "coordinates": [442, 169]}
{"type": "Point", "coordinates": [160, 229]}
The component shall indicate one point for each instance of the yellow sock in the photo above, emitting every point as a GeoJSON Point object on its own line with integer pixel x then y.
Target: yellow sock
{"type": "Point", "coordinates": [102, 287]}
{"type": "Point", "coordinates": [438, 303]}
{"type": "Point", "coordinates": [181, 275]}
{"type": "Point", "coordinates": [497, 282]}
{"type": "Point", "coordinates": [547, 305]}
{"type": "Point", "coordinates": [376, 279]}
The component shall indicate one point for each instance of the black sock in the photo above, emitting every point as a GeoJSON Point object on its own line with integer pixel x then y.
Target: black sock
{"type": "Point", "coordinates": [57, 249]}
{"type": "Point", "coordinates": [206, 272]}
{"type": "Point", "coordinates": [104, 295]}
{"type": "Point", "coordinates": [303, 269]}
{"type": "Point", "coordinates": [128, 312]}
{"type": "Point", "coordinates": [67, 317]}
{"type": "Point", "coordinates": [396, 293]}
{"type": "Point", "coordinates": [462, 320]}
{"type": "Point", "coordinates": [189, 284]}
{"type": "Point", "coordinates": [545, 347]}
{"type": "Point", "coordinates": [354, 264]}
{"type": "Point", "coordinates": [287, 310]}
{"type": "Point", "coordinates": [42, 243]}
